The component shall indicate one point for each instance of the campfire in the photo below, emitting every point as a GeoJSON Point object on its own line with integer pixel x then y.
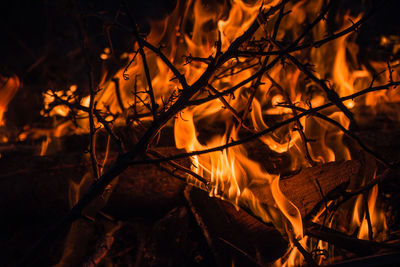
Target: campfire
{"type": "Point", "coordinates": [205, 133]}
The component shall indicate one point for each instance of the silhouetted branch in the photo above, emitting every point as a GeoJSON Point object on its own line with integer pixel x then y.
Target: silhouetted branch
{"type": "Point", "coordinates": [92, 104]}
{"type": "Point", "coordinates": [330, 92]}
{"type": "Point", "coordinates": [299, 128]}
{"type": "Point", "coordinates": [139, 40]}
{"type": "Point", "coordinates": [184, 99]}
{"type": "Point", "coordinates": [344, 130]}
{"type": "Point", "coordinates": [270, 129]}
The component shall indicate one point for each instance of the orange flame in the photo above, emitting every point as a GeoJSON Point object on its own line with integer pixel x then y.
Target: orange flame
{"type": "Point", "coordinates": [192, 30]}
{"type": "Point", "coordinates": [8, 88]}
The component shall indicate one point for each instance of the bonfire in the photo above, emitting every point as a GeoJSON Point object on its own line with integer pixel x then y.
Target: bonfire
{"type": "Point", "coordinates": [226, 133]}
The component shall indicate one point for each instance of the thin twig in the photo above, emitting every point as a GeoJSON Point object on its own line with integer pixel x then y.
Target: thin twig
{"type": "Point", "coordinates": [92, 128]}
{"type": "Point", "coordinates": [266, 131]}
{"type": "Point", "coordinates": [348, 133]}
{"type": "Point", "coordinates": [299, 128]}
{"type": "Point", "coordinates": [231, 109]}
{"type": "Point", "coordinates": [118, 93]}
{"type": "Point", "coordinates": [105, 123]}
{"type": "Point", "coordinates": [139, 40]}
{"type": "Point", "coordinates": [323, 199]}
{"type": "Point", "coordinates": [180, 167]}
{"type": "Point", "coordinates": [342, 240]}
{"type": "Point", "coordinates": [330, 92]}
{"type": "Point", "coordinates": [388, 174]}
{"type": "Point", "coordinates": [264, 63]}
{"type": "Point", "coordinates": [368, 216]}
{"type": "Point", "coordinates": [234, 46]}
{"type": "Point", "coordinates": [318, 43]}
{"type": "Point", "coordinates": [99, 117]}
{"type": "Point", "coordinates": [307, 256]}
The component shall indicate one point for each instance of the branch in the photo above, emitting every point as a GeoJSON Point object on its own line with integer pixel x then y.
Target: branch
{"type": "Point", "coordinates": [181, 78]}
{"type": "Point", "coordinates": [92, 142]}
{"type": "Point", "coordinates": [307, 256]}
{"type": "Point", "coordinates": [231, 109]}
{"type": "Point", "coordinates": [386, 175]}
{"type": "Point", "coordinates": [355, 245]}
{"type": "Point", "coordinates": [123, 161]}
{"type": "Point", "coordinates": [330, 93]}
{"type": "Point", "coordinates": [96, 112]}
{"type": "Point", "coordinates": [118, 93]}
{"type": "Point", "coordinates": [316, 44]}
{"type": "Point", "coordinates": [115, 139]}
{"type": "Point", "coordinates": [139, 40]}
{"type": "Point", "coordinates": [181, 168]}
{"type": "Point", "coordinates": [298, 123]}
{"type": "Point", "coordinates": [263, 69]}
{"type": "Point", "coordinates": [266, 131]}
{"type": "Point", "coordinates": [348, 133]}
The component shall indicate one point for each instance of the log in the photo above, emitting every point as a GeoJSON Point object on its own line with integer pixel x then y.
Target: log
{"type": "Point", "coordinates": [253, 242]}
{"type": "Point", "coordinates": [35, 196]}
{"type": "Point", "coordinates": [37, 187]}
{"type": "Point", "coordinates": [349, 243]}
{"type": "Point", "coordinates": [387, 259]}
{"type": "Point", "coordinates": [302, 189]}
{"type": "Point", "coordinates": [233, 234]}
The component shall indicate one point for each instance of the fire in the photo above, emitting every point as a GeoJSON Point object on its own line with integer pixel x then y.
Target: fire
{"type": "Point", "coordinates": [191, 32]}
{"type": "Point", "coordinates": [8, 88]}
{"type": "Point", "coordinates": [376, 215]}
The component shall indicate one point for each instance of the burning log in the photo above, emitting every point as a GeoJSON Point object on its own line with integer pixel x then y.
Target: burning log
{"type": "Point", "coordinates": [387, 259]}
{"type": "Point", "coordinates": [141, 187]}
{"type": "Point", "coordinates": [159, 88]}
{"type": "Point", "coordinates": [257, 243]}
{"type": "Point", "coordinates": [358, 246]}
{"type": "Point", "coordinates": [313, 185]}
{"type": "Point", "coordinates": [302, 189]}
{"type": "Point", "coordinates": [41, 187]}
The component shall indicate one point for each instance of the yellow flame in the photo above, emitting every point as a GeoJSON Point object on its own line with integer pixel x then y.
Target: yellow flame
{"type": "Point", "coordinates": [290, 211]}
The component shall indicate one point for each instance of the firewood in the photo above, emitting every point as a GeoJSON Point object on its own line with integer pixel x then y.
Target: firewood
{"type": "Point", "coordinates": [40, 185]}
{"type": "Point", "coordinates": [302, 189]}
{"type": "Point", "coordinates": [387, 259]}
{"type": "Point", "coordinates": [349, 243]}
{"type": "Point", "coordinates": [234, 234]}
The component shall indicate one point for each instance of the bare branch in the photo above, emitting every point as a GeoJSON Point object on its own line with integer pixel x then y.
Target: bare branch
{"type": "Point", "coordinates": [330, 93]}
{"type": "Point", "coordinates": [270, 129]}
{"type": "Point", "coordinates": [92, 142]}
{"type": "Point", "coordinates": [139, 40]}
{"type": "Point", "coordinates": [299, 128]}
{"type": "Point", "coordinates": [345, 131]}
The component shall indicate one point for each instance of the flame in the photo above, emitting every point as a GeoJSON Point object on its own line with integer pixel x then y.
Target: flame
{"type": "Point", "coordinates": [190, 33]}
{"type": "Point", "coordinates": [8, 88]}
{"type": "Point", "coordinates": [290, 211]}
{"type": "Point", "coordinates": [376, 214]}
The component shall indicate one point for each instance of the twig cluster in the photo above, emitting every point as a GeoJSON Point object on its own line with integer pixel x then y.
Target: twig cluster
{"type": "Point", "coordinates": [267, 52]}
